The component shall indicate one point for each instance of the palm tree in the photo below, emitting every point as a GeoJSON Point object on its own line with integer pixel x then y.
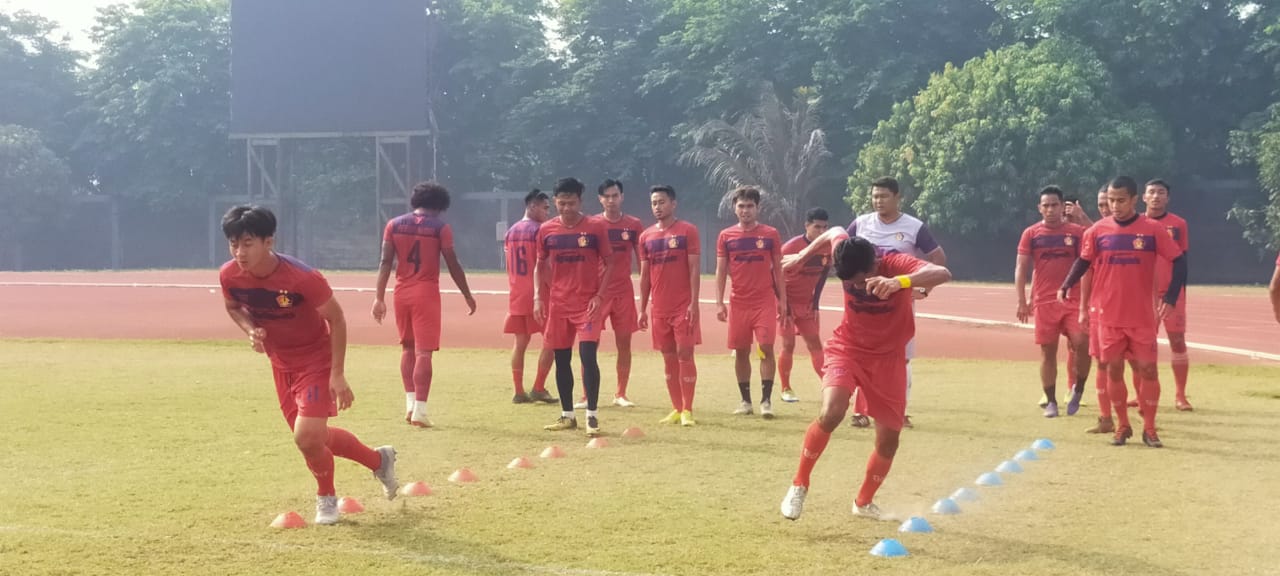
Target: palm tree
{"type": "Point", "coordinates": [778, 150]}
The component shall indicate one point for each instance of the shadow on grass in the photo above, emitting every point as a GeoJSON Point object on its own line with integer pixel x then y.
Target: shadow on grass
{"type": "Point", "coordinates": [1083, 558]}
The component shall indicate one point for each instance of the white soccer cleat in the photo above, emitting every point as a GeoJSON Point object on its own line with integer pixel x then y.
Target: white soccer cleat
{"type": "Point", "coordinates": [869, 511]}
{"type": "Point", "coordinates": [622, 402]}
{"type": "Point", "coordinates": [793, 502]}
{"type": "Point", "coordinates": [327, 510]}
{"type": "Point", "coordinates": [743, 410]}
{"type": "Point", "coordinates": [766, 410]}
{"type": "Point", "coordinates": [386, 473]}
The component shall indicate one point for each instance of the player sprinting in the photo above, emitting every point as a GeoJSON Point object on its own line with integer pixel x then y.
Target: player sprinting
{"type": "Point", "coordinates": [288, 311]}
{"type": "Point", "coordinates": [1122, 251]}
{"type": "Point", "coordinates": [889, 228]}
{"type": "Point", "coordinates": [1156, 197]}
{"type": "Point", "coordinates": [1047, 250]}
{"type": "Point", "coordinates": [867, 352]}
{"type": "Point", "coordinates": [414, 244]}
{"type": "Point", "coordinates": [750, 253]}
{"type": "Point", "coordinates": [574, 253]}
{"type": "Point", "coordinates": [620, 300]}
{"type": "Point", "coordinates": [520, 247]}
{"type": "Point", "coordinates": [669, 278]}
{"type": "Point", "coordinates": [804, 280]}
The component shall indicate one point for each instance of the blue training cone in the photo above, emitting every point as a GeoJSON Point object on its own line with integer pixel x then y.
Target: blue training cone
{"type": "Point", "coordinates": [1042, 444]}
{"type": "Point", "coordinates": [1009, 467]}
{"type": "Point", "coordinates": [889, 548]}
{"type": "Point", "coordinates": [1026, 456]}
{"type": "Point", "coordinates": [989, 479]}
{"type": "Point", "coordinates": [964, 495]}
{"type": "Point", "coordinates": [946, 506]}
{"type": "Point", "coordinates": [916, 524]}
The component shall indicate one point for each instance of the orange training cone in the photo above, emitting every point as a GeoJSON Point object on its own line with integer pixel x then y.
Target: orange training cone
{"type": "Point", "coordinates": [415, 489]}
{"type": "Point", "coordinates": [553, 452]}
{"type": "Point", "coordinates": [462, 476]}
{"type": "Point", "coordinates": [350, 506]}
{"type": "Point", "coordinates": [289, 520]}
{"type": "Point", "coordinates": [598, 443]}
{"type": "Point", "coordinates": [520, 462]}
{"type": "Point", "coordinates": [633, 432]}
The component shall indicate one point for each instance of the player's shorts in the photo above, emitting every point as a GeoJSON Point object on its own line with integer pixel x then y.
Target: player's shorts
{"type": "Point", "coordinates": [1095, 341]}
{"type": "Point", "coordinates": [760, 323]}
{"type": "Point", "coordinates": [563, 329]}
{"type": "Point", "coordinates": [1137, 344]}
{"type": "Point", "coordinates": [620, 311]}
{"type": "Point", "coordinates": [881, 379]}
{"type": "Point", "coordinates": [803, 323]}
{"type": "Point", "coordinates": [418, 318]}
{"type": "Point", "coordinates": [1055, 319]}
{"type": "Point", "coordinates": [670, 332]}
{"type": "Point", "coordinates": [1176, 321]}
{"type": "Point", "coordinates": [521, 324]}
{"type": "Point", "coordinates": [304, 393]}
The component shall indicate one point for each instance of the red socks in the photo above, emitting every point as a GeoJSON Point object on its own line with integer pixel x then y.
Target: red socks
{"type": "Point", "coordinates": [877, 468]}
{"type": "Point", "coordinates": [321, 466]}
{"type": "Point", "coordinates": [815, 441]}
{"type": "Point", "coordinates": [688, 381]}
{"type": "Point", "coordinates": [1104, 396]}
{"type": "Point", "coordinates": [345, 445]}
{"type": "Point", "coordinates": [540, 378]}
{"type": "Point", "coordinates": [785, 360]}
{"type": "Point", "coordinates": [1149, 398]}
{"type": "Point", "coordinates": [422, 377]}
{"type": "Point", "coordinates": [1181, 365]}
{"type": "Point", "coordinates": [672, 369]}
{"type": "Point", "coordinates": [406, 369]}
{"type": "Point", "coordinates": [1120, 400]}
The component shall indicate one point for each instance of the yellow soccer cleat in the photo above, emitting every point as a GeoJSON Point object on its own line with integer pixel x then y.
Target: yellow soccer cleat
{"type": "Point", "coordinates": [672, 418]}
{"type": "Point", "coordinates": [563, 423]}
{"type": "Point", "coordinates": [686, 419]}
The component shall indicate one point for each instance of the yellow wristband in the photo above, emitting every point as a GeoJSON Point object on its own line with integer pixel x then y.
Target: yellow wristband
{"type": "Point", "coordinates": [904, 281]}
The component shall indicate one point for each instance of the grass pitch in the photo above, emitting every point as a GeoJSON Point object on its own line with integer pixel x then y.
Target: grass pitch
{"type": "Point", "coordinates": [128, 457]}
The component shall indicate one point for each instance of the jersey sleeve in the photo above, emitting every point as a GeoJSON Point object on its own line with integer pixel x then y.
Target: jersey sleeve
{"type": "Point", "coordinates": [1087, 246]}
{"type": "Point", "coordinates": [224, 276]}
{"type": "Point", "coordinates": [777, 245]}
{"type": "Point", "coordinates": [898, 264]}
{"type": "Point", "coordinates": [924, 240]}
{"type": "Point", "coordinates": [1024, 244]}
{"type": "Point", "coordinates": [542, 242]}
{"type": "Point", "coordinates": [315, 289]}
{"type": "Point", "coordinates": [693, 244]}
{"type": "Point", "coordinates": [386, 232]}
{"type": "Point", "coordinates": [1166, 246]}
{"type": "Point", "coordinates": [446, 237]}
{"type": "Point", "coordinates": [852, 229]}
{"type": "Point", "coordinates": [722, 250]}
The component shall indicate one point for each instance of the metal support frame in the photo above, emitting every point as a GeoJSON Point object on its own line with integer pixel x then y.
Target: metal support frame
{"type": "Point", "coordinates": [500, 226]}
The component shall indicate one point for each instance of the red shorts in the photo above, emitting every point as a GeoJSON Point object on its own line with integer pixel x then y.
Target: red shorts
{"type": "Point", "coordinates": [1095, 341]}
{"type": "Point", "coordinates": [882, 379]}
{"type": "Point", "coordinates": [418, 318]}
{"type": "Point", "coordinates": [671, 332]}
{"type": "Point", "coordinates": [522, 324]}
{"type": "Point", "coordinates": [1055, 319]}
{"type": "Point", "coordinates": [804, 324]}
{"type": "Point", "coordinates": [620, 311]}
{"type": "Point", "coordinates": [1176, 321]}
{"type": "Point", "coordinates": [1137, 344]}
{"type": "Point", "coordinates": [304, 393]}
{"type": "Point", "coordinates": [562, 329]}
{"type": "Point", "coordinates": [761, 322]}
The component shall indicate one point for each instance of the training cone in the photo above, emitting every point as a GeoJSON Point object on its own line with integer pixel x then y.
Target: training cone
{"type": "Point", "coordinates": [598, 443]}
{"type": "Point", "coordinates": [964, 495]}
{"type": "Point", "coordinates": [1042, 444]}
{"type": "Point", "coordinates": [553, 452]}
{"type": "Point", "coordinates": [1009, 467]}
{"type": "Point", "coordinates": [989, 479]}
{"type": "Point", "coordinates": [946, 506]}
{"type": "Point", "coordinates": [633, 432]}
{"type": "Point", "coordinates": [462, 476]}
{"type": "Point", "coordinates": [415, 489]}
{"type": "Point", "coordinates": [350, 506]}
{"type": "Point", "coordinates": [889, 548]}
{"type": "Point", "coordinates": [289, 520]}
{"type": "Point", "coordinates": [1026, 456]}
{"type": "Point", "coordinates": [916, 524]}
{"type": "Point", "coordinates": [519, 463]}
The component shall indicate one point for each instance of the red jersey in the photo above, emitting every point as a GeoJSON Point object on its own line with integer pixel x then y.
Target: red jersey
{"type": "Point", "coordinates": [1177, 228]}
{"type": "Point", "coordinates": [1123, 259]}
{"type": "Point", "coordinates": [667, 252]}
{"type": "Point", "coordinates": [285, 305]}
{"type": "Point", "coordinates": [418, 239]}
{"type": "Point", "coordinates": [751, 255]}
{"type": "Point", "coordinates": [574, 257]}
{"type": "Point", "coordinates": [1052, 252]}
{"type": "Point", "coordinates": [805, 280]}
{"type": "Point", "coordinates": [521, 248]}
{"type": "Point", "coordinates": [624, 237]}
{"type": "Point", "coordinates": [880, 327]}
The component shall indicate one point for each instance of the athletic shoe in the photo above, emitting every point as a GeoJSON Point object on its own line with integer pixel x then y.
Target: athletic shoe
{"type": "Point", "coordinates": [622, 402]}
{"type": "Point", "coordinates": [789, 395]}
{"type": "Point", "coordinates": [386, 472]}
{"type": "Point", "coordinates": [1183, 405]}
{"type": "Point", "coordinates": [906, 422]}
{"type": "Point", "coordinates": [1123, 434]}
{"type": "Point", "coordinates": [423, 423]}
{"type": "Point", "coordinates": [327, 510]}
{"type": "Point", "coordinates": [1044, 399]}
{"type": "Point", "coordinates": [562, 423]}
{"type": "Point", "coordinates": [521, 398]}
{"type": "Point", "coordinates": [581, 404]}
{"type": "Point", "coordinates": [593, 427]}
{"type": "Point", "coordinates": [793, 502]}
{"type": "Point", "coordinates": [1073, 405]}
{"type": "Point", "coordinates": [869, 511]}
{"type": "Point", "coordinates": [543, 396]}
{"type": "Point", "coordinates": [1051, 411]}
{"type": "Point", "coordinates": [686, 419]}
{"type": "Point", "coordinates": [1150, 439]}
{"type": "Point", "coordinates": [860, 421]}
{"type": "Point", "coordinates": [743, 410]}
{"type": "Point", "coordinates": [766, 410]}
{"type": "Point", "coordinates": [408, 417]}
{"type": "Point", "coordinates": [672, 418]}
{"type": "Point", "coordinates": [1104, 426]}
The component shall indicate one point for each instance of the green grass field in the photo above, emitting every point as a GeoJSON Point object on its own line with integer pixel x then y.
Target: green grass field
{"type": "Point", "coordinates": [171, 458]}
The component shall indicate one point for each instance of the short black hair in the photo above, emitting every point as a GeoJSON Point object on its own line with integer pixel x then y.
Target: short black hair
{"type": "Point", "coordinates": [430, 195]}
{"type": "Point", "coordinates": [1125, 183]}
{"type": "Point", "coordinates": [854, 256]}
{"type": "Point", "coordinates": [1103, 189]}
{"type": "Point", "coordinates": [1161, 183]}
{"type": "Point", "coordinates": [244, 219]}
{"type": "Point", "coordinates": [1052, 191]}
{"type": "Point", "coordinates": [890, 184]}
{"type": "Point", "coordinates": [535, 195]}
{"type": "Point", "coordinates": [746, 193]}
{"type": "Point", "coordinates": [571, 186]}
{"type": "Point", "coordinates": [665, 189]}
{"type": "Point", "coordinates": [815, 214]}
{"type": "Point", "coordinates": [607, 184]}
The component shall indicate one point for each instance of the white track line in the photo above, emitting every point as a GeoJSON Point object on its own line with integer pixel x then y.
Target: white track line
{"type": "Point", "coordinates": [1251, 354]}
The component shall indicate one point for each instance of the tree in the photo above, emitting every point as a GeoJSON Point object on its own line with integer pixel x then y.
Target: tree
{"type": "Point", "coordinates": [40, 85]}
{"type": "Point", "coordinates": [779, 150]}
{"type": "Point", "coordinates": [979, 140]}
{"type": "Point", "coordinates": [1257, 145]}
{"type": "Point", "coordinates": [34, 187]}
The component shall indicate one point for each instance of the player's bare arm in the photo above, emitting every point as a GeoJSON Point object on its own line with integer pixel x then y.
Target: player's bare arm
{"type": "Point", "coordinates": [384, 276]}
{"type": "Point", "coordinates": [695, 288]}
{"type": "Point", "coordinates": [459, 277]}
{"type": "Point", "coordinates": [928, 276]}
{"type": "Point", "coordinates": [1275, 292]}
{"type": "Point", "coordinates": [937, 256]}
{"type": "Point", "coordinates": [722, 277]}
{"type": "Point", "coordinates": [830, 238]}
{"type": "Point", "coordinates": [646, 287]}
{"type": "Point", "coordinates": [257, 336]}
{"type": "Point", "coordinates": [331, 311]}
{"type": "Point", "coordinates": [540, 272]}
{"type": "Point", "coordinates": [780, 290]}
{"type": "Point", "coordinates": [1086, 292]}
{"type": "Point", "coordinates": [597, 300]}
{"type": "Point", "coordinates": [1020, 285]}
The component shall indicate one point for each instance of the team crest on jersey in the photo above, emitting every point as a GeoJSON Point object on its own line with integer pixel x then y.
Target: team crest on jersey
{"type": "Point", "coordinates": [626, 234]}
{"type": "Point", "coordinates": [1138, 243]}
{"type": "Point", "coordinates": [582, 241]}
{"type": "Point", "coordinates": [899, 237]}
{"type": "Point", "coordinates": [672, 242]}
{"type": "Point", "coordinates": [759, 243]}
{"type": "Point", "coordinates": [283, 300]}
{"type": "Point", "coordinates": [1069, 241]}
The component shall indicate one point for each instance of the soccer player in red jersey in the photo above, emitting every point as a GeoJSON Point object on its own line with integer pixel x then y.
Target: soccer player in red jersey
{"type": "Point", "coordinates": [520, 246]}
{"type": "Point", "coordinates": [1122, 250]}
{"type": "Point", "coordinates": [1047, 249]}
{"type": "Point", "coordinates": [751, 254]}
{"type": "Point", "coordinates": [804, 280]}
{"type": "Point", "coordinates": [574, 253]}
{"type": "Point", "coordinates": [669, 274]}
{"type": "Point", "coordinates": [620, 300]}
{"type": "Point", "coordinates": [288, 311]}
{"type": "Point", "coordinates": [1156, 197]}
{"type": "Point", "coordinates": [866, 352]}
{"type": "Point", "coordinates": [1105, 425]}
{"type": "Point", "coordinates": [414, 243]}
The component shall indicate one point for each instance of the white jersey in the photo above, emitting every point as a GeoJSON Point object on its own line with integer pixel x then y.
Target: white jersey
{"type": "Point", "coordinates": [906, 235]}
